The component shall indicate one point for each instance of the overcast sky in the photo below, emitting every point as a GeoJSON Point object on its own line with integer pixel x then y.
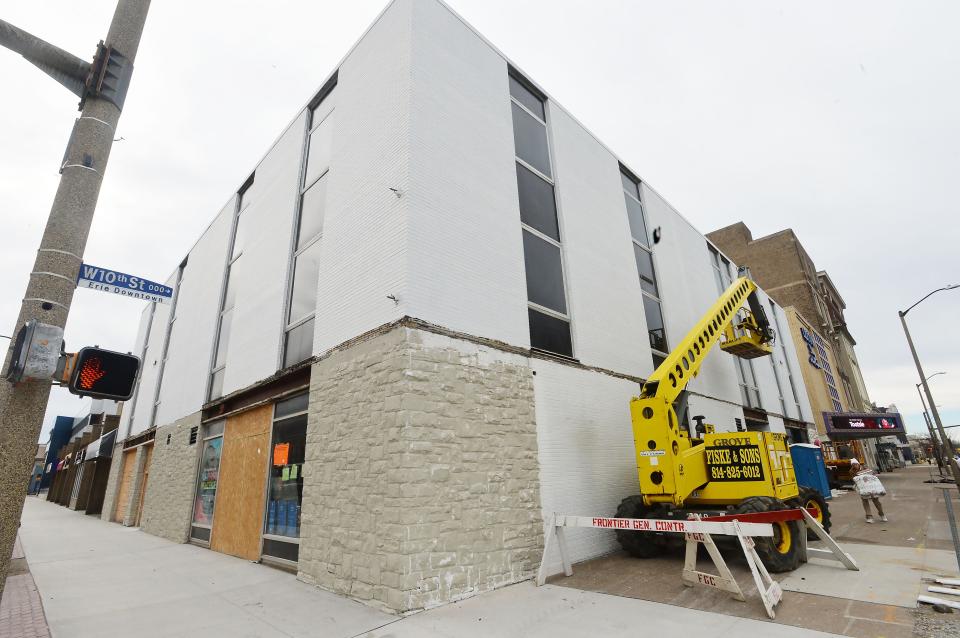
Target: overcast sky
{"type": "Point", "coordinates": [839, 120]}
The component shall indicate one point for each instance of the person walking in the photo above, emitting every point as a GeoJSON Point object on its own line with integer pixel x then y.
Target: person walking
{"type": "Point", "coordinates": [869, 488]}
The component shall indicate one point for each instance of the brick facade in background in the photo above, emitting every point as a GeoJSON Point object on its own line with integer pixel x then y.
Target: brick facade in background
{"type": "Point", "coordinates": [781, 265]}
{"type": "Point", "coordinates": [168, 502]}
{"type": "Point", "coordinates": [113, 484]}
{"type": "Point", "coordinates": [813, 378]}
{"type": "Point", "coordinates": [421, 480]}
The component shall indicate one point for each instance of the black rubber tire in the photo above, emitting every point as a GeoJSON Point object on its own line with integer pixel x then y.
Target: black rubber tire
{"type": "Point", "coordinates": [637, 544]}
{"type": "Point", "coordinates": [777, 559]}
{"type": "Point", "coordinates": [810, 497]}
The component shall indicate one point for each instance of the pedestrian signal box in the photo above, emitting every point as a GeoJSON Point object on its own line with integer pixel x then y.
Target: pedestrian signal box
{"type": "Point", "coordinates": [103, 374]}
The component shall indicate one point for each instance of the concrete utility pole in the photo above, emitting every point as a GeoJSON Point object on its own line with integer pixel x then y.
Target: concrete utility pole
{"type": "Point", "coordinates": [102, 88]}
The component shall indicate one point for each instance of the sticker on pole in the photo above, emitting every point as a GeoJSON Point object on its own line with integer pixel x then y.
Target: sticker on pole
{"type": "Point", "coordinates": [118, 283]}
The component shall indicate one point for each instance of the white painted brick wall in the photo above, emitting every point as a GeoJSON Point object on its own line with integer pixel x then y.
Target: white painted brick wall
{"type": "Point", "coordinates": [259, 312]}
{"type": "Point", "coordinates": [198, 311]}
{"type": "Point", "coordinates": [603, 286]}
{"type": "Point", "coordinates": [688, 289]}
{"type": "Point", "coordinates": [128, 406]}
{"type": "Point", "coordinates": [465, 245]}
{"type": "Point", "coordinates": [585, 447]}
{"type": "Point", "coordinates": [364, 253]}
{"type": "Point", "coordinates": [150, 368]}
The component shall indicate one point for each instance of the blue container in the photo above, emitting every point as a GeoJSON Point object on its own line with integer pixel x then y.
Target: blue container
{"type": "Point", "coordinates": [272, 518]}
{"type": "Point", "coordinates": [809, 467]}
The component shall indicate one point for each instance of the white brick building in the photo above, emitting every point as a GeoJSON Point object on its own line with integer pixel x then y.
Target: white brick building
{"type": "Point", "coordinates": [420, 320]}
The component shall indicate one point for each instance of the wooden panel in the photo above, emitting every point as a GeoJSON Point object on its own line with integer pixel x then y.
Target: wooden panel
{"type": "Point", "coordinates": [126, 482]}
{"type": "Point", "coordinates": [148, 456]}
{"type": "Point", "coordinates": [238, 513]}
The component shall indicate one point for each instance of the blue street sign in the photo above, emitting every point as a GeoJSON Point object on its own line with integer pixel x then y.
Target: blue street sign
{"type": "Point", "coordinates": [119, 283]}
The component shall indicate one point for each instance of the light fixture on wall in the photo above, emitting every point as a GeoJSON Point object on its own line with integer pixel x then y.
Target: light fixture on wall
{"type": "Point", "coordinates": [393, 298]}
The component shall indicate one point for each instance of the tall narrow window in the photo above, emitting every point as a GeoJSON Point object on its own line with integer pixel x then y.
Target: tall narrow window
{"type": "Point", "coordinates": [827, 371]}
{"type": "Point", "coordinates": [652, 307]}
{"type": "Point", "coordinates": [782, 343]}
{"type": "Point", "coordinates": [298, 340]}
{"type": "Point", "coordinates": [208, 476]}
{"type": "Point", "coordinates": [749, 391]}
{"type": "Point", "coordinates": [166, 340]}
{"type": "Point", "coordinates": [547, 312]}
{"type": "Point", "coordinates": [238, 240]}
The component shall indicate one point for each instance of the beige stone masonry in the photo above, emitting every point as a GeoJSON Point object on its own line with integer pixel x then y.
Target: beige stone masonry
{"type": "Point", "coordinates": [113, 484]}
{"type": "Point", "coordinates": [168, 501]}
{"type": "Point", "coordinates": [421, 479]}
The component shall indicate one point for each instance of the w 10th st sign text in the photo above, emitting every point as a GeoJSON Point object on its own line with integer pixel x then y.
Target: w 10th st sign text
{"type": "Point", "coordinates": [119, 283]}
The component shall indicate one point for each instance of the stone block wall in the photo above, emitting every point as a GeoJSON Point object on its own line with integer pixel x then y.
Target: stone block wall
{"type": "Point", "coordinates": [421, 482]}
{"type": "Point", "coordinates": [113, 484]}
{"type": "Point", "coordinates": [168, 501]}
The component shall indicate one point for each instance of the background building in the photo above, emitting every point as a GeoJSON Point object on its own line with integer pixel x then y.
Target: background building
{"type": "Point", "coordinates": [81, 449]}
{"type": "Point", "coordinates": [783, 267]}
{"type": "Point", "coordinates": [819, 331]}
{"type": "Point", "coordinates": [416, 328]}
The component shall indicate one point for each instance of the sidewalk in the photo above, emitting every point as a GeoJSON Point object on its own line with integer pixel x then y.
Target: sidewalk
{"type": "Point", "coordinates": [896, 560]}
{"type": "Point", "coordinates": [101, 579]}
{"type": "Point", "coordinates": [21, 612]}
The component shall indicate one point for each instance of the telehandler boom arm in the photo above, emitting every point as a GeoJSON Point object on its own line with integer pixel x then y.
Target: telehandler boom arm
{"type": "Point", "coordinates": [670, 466]}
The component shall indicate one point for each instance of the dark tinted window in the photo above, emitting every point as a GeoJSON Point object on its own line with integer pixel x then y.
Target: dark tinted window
{"type": "Point", "coordinates": [657, 360]}
{"type": "Point", "coordinates": [299, 345]}
{"type": "Point", "coordinates": [526, 97]}
{"type": "Point", "coordinates": [280, 549]}
{"type": "Point", "coordinates": [311, 213]}
{"type": "Point", "coordinates": [629, 185]}
{"type": "Point", "coordinates": [291, 406]}
{"type": "Point", "coordinates": [658, 338]}
{"type": "Point", "coordinates": [530, 139]}
{"type": "Point", "coordinates": [200, 533]}
{"type": "Point", "coordinates": [538, 208]}
{"type": "Point", "coordinates": [645, 267]}
{"type": "Point", "coordinates": [306, 273]}
{"type": "Point", "coordinates": [549, 333]}
{"type": "Point", "coordinates": [638, 228]}
{"type": "Point", "coordinates": [544, 273]}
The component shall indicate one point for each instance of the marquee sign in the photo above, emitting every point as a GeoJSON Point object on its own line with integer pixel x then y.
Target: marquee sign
{"type": "Point", "coordinates": [856, 425]}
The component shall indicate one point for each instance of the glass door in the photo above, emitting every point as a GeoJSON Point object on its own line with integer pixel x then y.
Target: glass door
{"type": "Point", "coordinates": [207, 479]}
{"type": "Point", "coordinates": [281, 526]}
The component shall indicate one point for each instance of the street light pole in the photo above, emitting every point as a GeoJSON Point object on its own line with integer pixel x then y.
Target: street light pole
{"type": "Point", "coordinates": [938, 449]}
{"type": "Point", "coordinates": [102, 88]}
{"type": "Point", "coordinates": [954, 468]}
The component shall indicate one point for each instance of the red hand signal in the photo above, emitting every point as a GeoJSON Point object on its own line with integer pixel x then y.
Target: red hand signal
{"type": "Point", "coordinates": [91, 373]}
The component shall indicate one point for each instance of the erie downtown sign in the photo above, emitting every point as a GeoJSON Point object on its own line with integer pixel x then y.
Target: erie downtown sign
{"type": "Point", "coordinates": [118, 283]}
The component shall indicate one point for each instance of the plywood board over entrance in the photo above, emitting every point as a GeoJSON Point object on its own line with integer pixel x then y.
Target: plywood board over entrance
{"type": "Point", "coordinates": [238, 513]}
{"type": "Point", "coordinates": [126, 482]}
{"type": "Point", "coordinates": [148, 452]}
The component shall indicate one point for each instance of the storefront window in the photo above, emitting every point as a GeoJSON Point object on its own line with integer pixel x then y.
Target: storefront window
{"type": "Point", "coordinates": [285, 489]}
{"type": "Point", "coordinates": [207, 480]}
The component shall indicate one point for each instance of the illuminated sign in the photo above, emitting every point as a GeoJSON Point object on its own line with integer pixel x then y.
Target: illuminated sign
{"type": "Point", "coordinates": [861, 426]}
